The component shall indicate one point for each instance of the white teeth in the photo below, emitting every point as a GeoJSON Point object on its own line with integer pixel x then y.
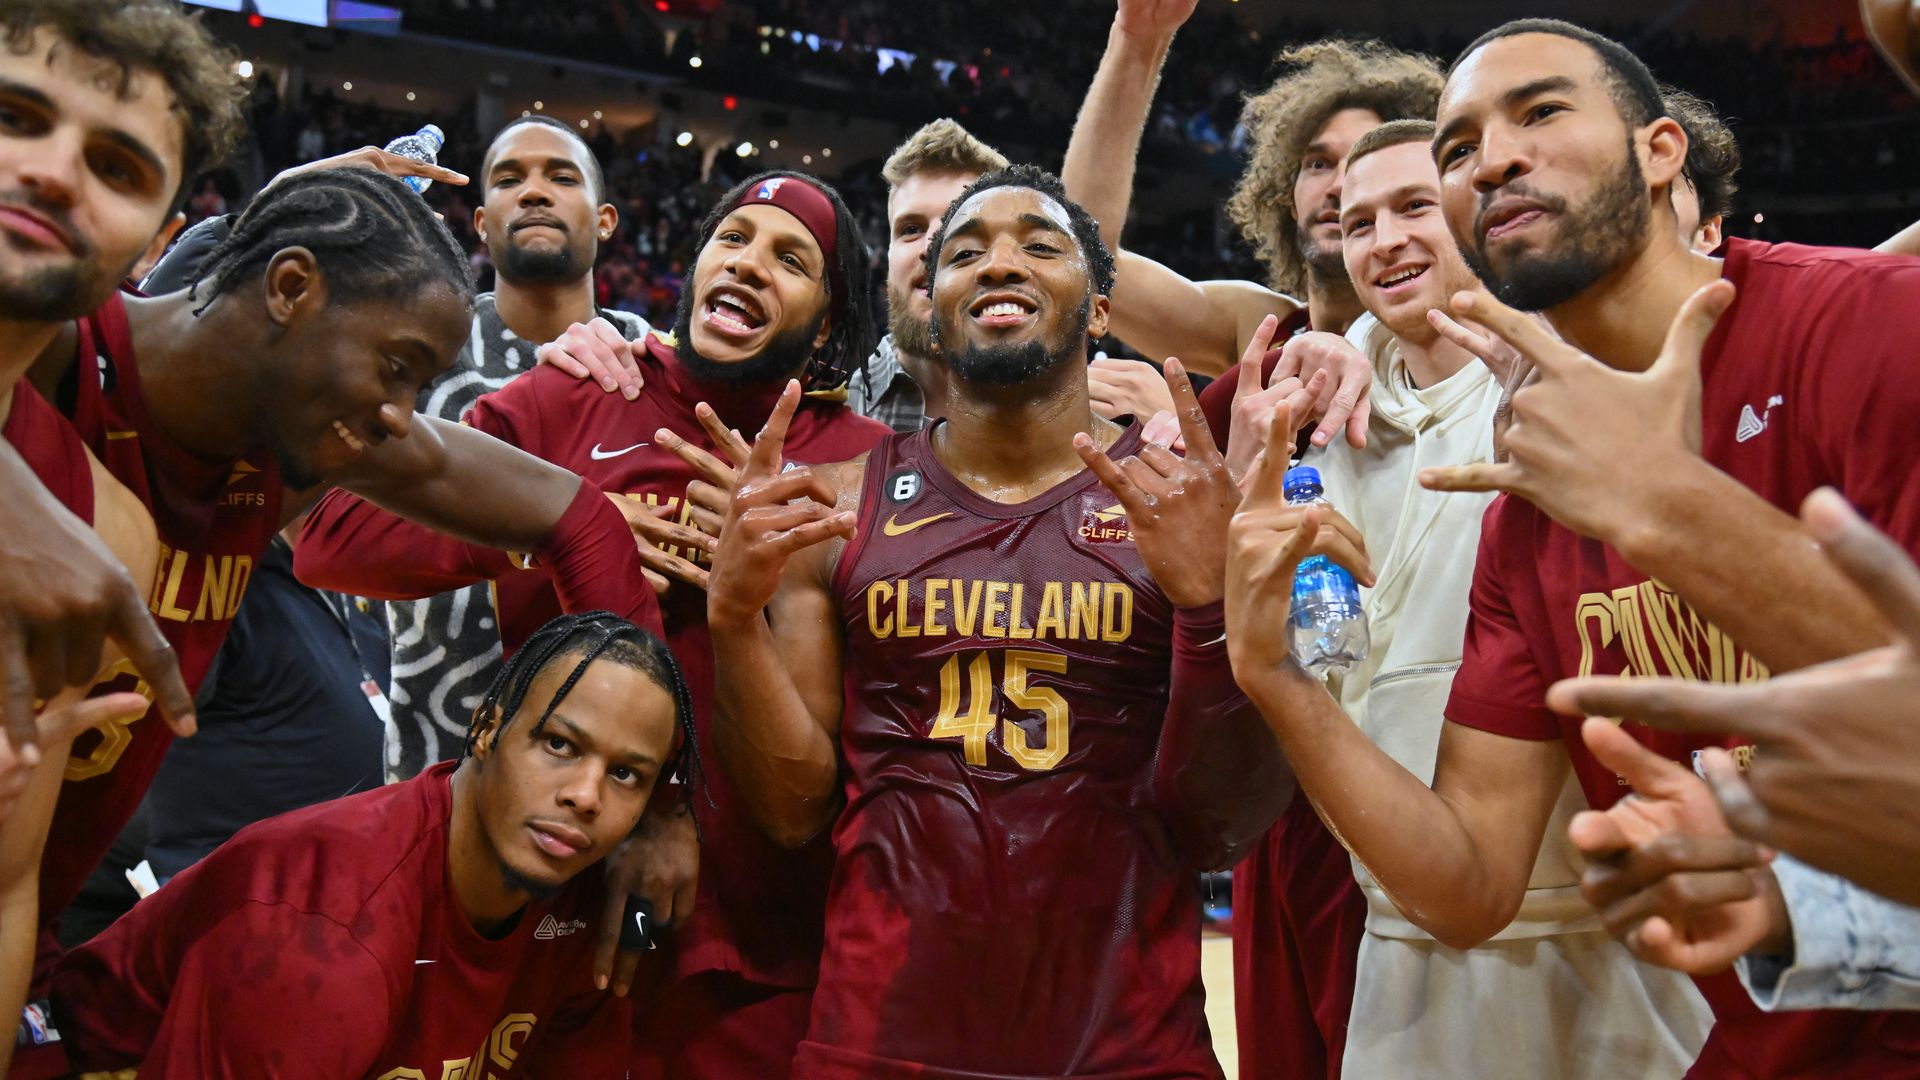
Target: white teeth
{"type": "Point", "coordinates": [1004, 307]}
{"type": "Point", "coordinates": [1403, 276]}
{"type": "Point", "coordinates": [353, 441]}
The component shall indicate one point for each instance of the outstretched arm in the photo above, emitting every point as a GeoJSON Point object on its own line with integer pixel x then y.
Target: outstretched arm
{"type": "Point", "coordinates": [776, 638]}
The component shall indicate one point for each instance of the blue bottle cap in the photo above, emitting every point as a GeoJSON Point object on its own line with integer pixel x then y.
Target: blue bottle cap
{"type": "Point", "coordinates": [1301, 480]}
{"type": "Point", "coordinates": [433, 133]}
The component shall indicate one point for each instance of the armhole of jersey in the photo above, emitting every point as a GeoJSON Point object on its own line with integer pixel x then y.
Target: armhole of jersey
{"type": "Point", "coordinates": [879, 461]}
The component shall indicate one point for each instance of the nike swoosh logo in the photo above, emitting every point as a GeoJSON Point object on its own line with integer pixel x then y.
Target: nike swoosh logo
{"type": "Point", "coordinates": [417, 963]}
{"type": "Point", "coordinates": [598, 454]}
{"type": "Point", "coordinates": [891, 528]}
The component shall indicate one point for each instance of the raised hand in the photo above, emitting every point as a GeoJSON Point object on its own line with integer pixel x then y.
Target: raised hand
{"type": "Point", "coordinates": [1344, 400]}
{"type": "Point", "coordinates": [1509, 367]}
{"type": "Point", "coordinates": [1251, 415]}
{"type": "Point", "coordinates": [655, 534]}
{"type": "Point", "coordinates": [1586, 440]}
{"type": "Point", "coordinates": [1127, 388]}
{"type": "Point", "coordinates": [772, 515]}
{"type": "Point", "coordinates": [398, 166]}
{"type": "Point", "coordinates": [1266, 541]}
{"type": "Point", "coordinates": [1835, 777]}
{"type": "Point", "coordinates": [1668, 877]}
{"type": "Point", "coordinates": [1153, 18]}
{"type": "Point", "coordinates": [1177, 507]}
{"type": "Point", "coordinates": [596, 350]}
{"type": "Point", "coordinates": [716, 474]}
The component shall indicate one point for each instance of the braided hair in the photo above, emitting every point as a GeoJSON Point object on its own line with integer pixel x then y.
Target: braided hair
{"type": "Point", "coordinates": [590, 636]}
{"type": "Point", "coordinates": [371, 235]}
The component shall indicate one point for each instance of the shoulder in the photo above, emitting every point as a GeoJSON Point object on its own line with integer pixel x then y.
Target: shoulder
{"type": "Point", "coordinates": [841, 431]}
{"type": "Point", "coordinates": [1825, 284]}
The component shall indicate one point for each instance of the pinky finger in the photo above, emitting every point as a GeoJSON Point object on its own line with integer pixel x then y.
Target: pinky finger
{"type": "Point", "coordinates": [813, 532]}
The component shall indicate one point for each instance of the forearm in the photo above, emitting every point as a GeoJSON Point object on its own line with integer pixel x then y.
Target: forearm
{"type": "Point", "coordinates": [780, 757]}
{"type": "Point", "coordinates": [1098, 173]}
{"type": "Point", "coordinates": [1904, 242]}
{"type": "Point", "coordinates": [1852, 949]}
{"type": "Point", "coordinates": [1219, 778]}
{"type": "Point", "coordinates": [1749, 569]}
{"type": "Point", "coordinates": [1418, 845]}
{"type": "Point", "coordinates": [467, 484]}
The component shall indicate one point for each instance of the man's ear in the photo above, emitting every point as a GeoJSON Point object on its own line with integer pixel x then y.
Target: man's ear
{"type": "Point", "coordinates": [294, 285]}
{"type": "Point", "coordinates": [480, 222]}
{"type": "Point", "coordinates": [1098, 311]}
{"type": "Point", "coordinates": [606, 219]}
{"type": "Point", "coordinates": [1663, 148]}
{"type": "Point", "coordinates": [826, 327]}
{"type": "Point", "coordinates": [483, 739]}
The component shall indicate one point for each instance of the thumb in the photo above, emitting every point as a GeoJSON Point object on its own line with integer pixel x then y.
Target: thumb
{"type": "Point", "coordinates": [1648, 773]}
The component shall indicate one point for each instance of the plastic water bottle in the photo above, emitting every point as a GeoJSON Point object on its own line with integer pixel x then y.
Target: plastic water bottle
{"type": "Point", "coordinates": [423, 145]}
{"type": "Point", "coordinates": [1329, 625]}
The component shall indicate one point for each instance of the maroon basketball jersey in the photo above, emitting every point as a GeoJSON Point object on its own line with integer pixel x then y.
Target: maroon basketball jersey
{"type": "Point", "coordinates": [1006, 899]}
{"type": "Point", "coordinates": [51, 448]}
{"type": "Point", "coordinates": [214, 522]}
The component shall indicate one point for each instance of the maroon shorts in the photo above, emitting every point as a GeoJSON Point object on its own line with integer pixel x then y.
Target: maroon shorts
{"type": "Point", "coordinates": [1297, 920]}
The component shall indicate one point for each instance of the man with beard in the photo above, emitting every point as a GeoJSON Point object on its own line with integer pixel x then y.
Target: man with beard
{"type": "Point", "coordinates": [1533, 986]}
{"type": "Point", "coordinates": [775, 293]}
{"type": "Point", "coordinates": [115, 108]}
{"type": "Point", "coordinates": [1297, 914]}
{"type": "Point", "coordinates": [335, 297]}
{"type": "Point", "coordinates": [1015, 827]}
{"type": "Point", "coordinates": [1646, 525]}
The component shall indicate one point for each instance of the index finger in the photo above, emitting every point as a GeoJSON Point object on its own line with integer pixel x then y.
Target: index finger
{"type": "Point", "coordinates": [16, 693]}
{"type": "Point", "coordinates": [398, 165]}
{"type": "Point", "coordinates": [1868, 557]}
{"type": "Point", "coordinates": [770, 445]}
{"type": "Point", "coordinates": [725, 439]}
{"type": "Point", "coordinates": [130, 627]}
{"type": "Point", "coordinates": [1112, 475]}
{"type": "Point", "coordinates": [1255, 355]}
{"type": "Point", "coordinates": [1674, 704]}
{"type": "Point", "coordinates": [1193, 419]}
{"type": "Point", "coordinates": [1646, 772]}
{"type": "Point", "coordinates": [712, 469]}
{"type": "Point", "coordinates": [1267, 481]}
{"type": "Point", "coordinates": [1515, 328]}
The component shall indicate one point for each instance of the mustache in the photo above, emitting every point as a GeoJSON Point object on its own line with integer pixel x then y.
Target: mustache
{"type": "Point", "coordinates": [55, 215]}
{"type": "Point", "coordinates": [1552, 203]}
{"type": "Point", "coordinates": [527, 221]}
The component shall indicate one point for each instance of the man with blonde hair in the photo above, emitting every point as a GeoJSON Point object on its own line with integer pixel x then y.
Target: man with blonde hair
{"type": "Point", "coordinates": [898, 385]}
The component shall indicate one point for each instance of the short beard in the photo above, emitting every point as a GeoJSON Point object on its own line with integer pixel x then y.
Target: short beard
{"type": "Point", "coordinates": [56, 294]}
{"type": "Point", "coordinates": [1011, 365]}
{"type": "Point", "coordinates": [549, 267]}
{"type": "Point", "coordinates": [516, 881]}
{"type": "Point", "coordinates": [784, 357]}
{"type": "Point", "coordinates": [911, 335]}
{"type": "Point", "coordinates": [1595, 242]}
{"type": "Point", "coordinates": [1324, 266]}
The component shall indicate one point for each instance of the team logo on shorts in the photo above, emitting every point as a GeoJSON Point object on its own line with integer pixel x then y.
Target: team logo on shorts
{"type": "Point", "coordinates": [903, 486]}
{"type": "Point", "coordinates": [1106, 525]}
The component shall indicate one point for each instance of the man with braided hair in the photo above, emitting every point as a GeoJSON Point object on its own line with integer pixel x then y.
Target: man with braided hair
{"type": "Point", "coordinates": [292, 362]}
{"type": "Point", "coordinates": [402, 934]}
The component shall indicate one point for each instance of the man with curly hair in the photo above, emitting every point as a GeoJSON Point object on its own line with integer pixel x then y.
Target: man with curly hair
{"type": "Point", "coordinates": [1298, 916]}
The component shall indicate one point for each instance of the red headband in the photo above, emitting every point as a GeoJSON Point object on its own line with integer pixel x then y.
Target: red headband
{"type": "Point", "coordinates": [814, 209]}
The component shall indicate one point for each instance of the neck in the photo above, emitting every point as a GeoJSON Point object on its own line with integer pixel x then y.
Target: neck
{"type": "Point", "coordinates": [181, 355]}
{"type": "Point", "coordinates": [541, 313]}
{"type": "Point", "coordinates": [1622, 319]}
{"type": "Point", "coordinates": [930, 377]}
{"type": "Point", "coordinates": [1331, 305]}
{"type": "Point", "coordinates": [1431, 359]}
{"type": "Point", "coordinates": [21, 343]}
{"type": "Point", "coordinates": [472, 865]}
{"type": "Point", "coordinates": [1010, 443]}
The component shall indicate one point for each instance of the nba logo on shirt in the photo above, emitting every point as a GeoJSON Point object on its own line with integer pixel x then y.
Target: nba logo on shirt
{"type": "Point", "coordinates": [770, 188]}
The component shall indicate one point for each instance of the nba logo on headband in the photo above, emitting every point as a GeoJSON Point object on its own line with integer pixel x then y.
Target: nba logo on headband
{"type": "Point", "coordinates": [771, 188]}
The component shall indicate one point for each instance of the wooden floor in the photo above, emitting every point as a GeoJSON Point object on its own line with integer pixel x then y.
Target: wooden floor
{"type": "Point", "coordinates": [1216, 969]}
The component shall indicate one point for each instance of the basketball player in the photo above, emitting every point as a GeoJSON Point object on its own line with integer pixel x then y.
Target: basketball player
{"type": "Point", "coordinates": [775, 292]}
{"type": "Point", "coordinates": [429, 927]}
{"type": "Point", "coordinates": [1024, 795]}
{"type": "Point", "coordinates": [1619, 547]}
{"type": "Point", "coordinates": [114, 106]}
{"type": "Point", "coordinates": [335, 297]}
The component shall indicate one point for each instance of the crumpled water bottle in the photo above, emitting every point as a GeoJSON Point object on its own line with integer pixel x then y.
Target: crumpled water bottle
{"type": "Point", "coordinates": [423, 145]}
{"type": "Point", "coordinates": [1329, 625]}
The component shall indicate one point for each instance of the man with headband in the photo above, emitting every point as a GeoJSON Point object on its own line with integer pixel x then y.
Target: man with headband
{"type": "Point", "coordinates": [773, 296]}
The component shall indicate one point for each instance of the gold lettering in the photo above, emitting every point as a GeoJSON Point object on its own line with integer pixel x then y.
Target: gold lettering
{"type": "Point", "coordinates": [966, 610]}
{"type": "Point", "coordinates": [1044, 700]}
{"type": "Point", "coordinates": [878, 625]}
{"type": "Point", "coordinates": [996, 604]}
{"type": "Point", "coordinates": [1595, 609]}
{"type": "Point", "coordinates": [1116, 612]}
{"type": "Point", "coordinates": [902, 627]}
{"type": "Point", "coordinates": [935, 605]}
{"type": "Point", "coordinates": [508, 1037]}
{"type": "Point", "coordinates": [1016, 605]}
{"type": "Point", "coordinates": [1053, 612]}
{"type": "Point", "coordinates": [1083, 613]}
{"type": "Point", "coordinates": [213, 586]}
{"type": "Point", "coordinates": [242, 577]}
{"type": "Point", "coordinates": [168, 607]}
{"type": "Point", "coordinates": [973, 726]}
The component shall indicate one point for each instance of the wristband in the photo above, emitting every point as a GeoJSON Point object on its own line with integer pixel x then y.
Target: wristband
{"type": "Point", "coordinates": [638, 931]}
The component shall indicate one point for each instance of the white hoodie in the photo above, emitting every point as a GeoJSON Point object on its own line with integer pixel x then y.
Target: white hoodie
{"type": "Point", "coordinates": [1422, 544]}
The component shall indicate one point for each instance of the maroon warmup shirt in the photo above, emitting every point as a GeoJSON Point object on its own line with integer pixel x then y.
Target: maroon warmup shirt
{"type": "Point", "coordinates": [1809, 379]}
{"type": "Point", "coordinates": [327, 944]}
{"type": "Point", "coordinates": [1008, 900]}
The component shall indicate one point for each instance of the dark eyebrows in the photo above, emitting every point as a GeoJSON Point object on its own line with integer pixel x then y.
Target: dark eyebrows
{"type": "Point", "coordinates": [38, 98]}
{"type": "Point", "coordinates": [634, 759]}
{"type": "Point", "coordinates": [1551, 84]}
{"type": "Point", "coordinates": [1041, 221]}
